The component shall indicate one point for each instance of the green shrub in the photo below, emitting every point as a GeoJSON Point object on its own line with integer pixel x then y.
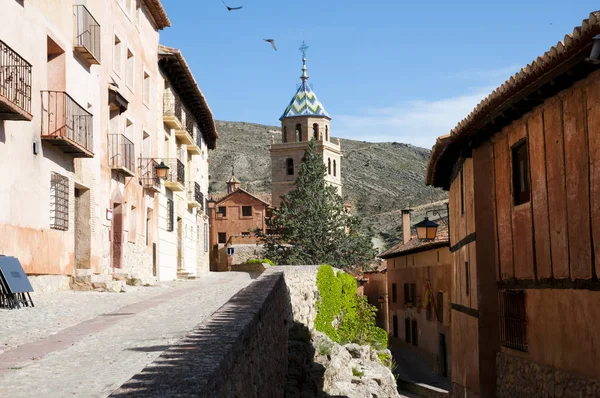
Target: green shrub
{"type": "Point", "coordinates": [356, 372]}
{"type": "Point", "coordinates": [385, 358]}
{"type": "Point", "coordinates": [260, 261]}
{"type": "Point", "coordinates": [344, 315]}
{"type": "Point", "coordinates": [324, 347]}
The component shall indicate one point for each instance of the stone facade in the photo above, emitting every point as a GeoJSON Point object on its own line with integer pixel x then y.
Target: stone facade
{"type": "Point", "coordinates": [518, 377]}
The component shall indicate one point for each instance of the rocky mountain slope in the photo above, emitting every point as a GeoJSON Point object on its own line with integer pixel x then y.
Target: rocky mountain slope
{"type": "Point", "coordinates": [379, 179]}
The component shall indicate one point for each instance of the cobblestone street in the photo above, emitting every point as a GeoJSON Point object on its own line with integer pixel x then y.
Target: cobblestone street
{"type": "Point", "coordinates": [87, 344]}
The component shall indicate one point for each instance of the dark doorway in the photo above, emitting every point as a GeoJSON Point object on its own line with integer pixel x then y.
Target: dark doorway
{"type": "Point", "coordinates": [443, 356]}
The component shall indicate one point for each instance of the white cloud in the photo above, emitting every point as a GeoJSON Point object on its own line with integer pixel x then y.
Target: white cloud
{"type": "Point", "coordinates": [420, 122]}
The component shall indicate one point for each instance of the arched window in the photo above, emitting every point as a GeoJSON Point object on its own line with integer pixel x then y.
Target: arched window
{"type": "Point", "coordinates": [334, 168]}
{"type": "Point", "coordinates": [298, 132]}
{"type": "Point", "coordinates": [284, 134]}
{"type": "Point", "coordinates": [326, 133]}
{"type": "Point", "coordinates": [316, 131]}
{"type": "Point", "coordinates": [289, 164]}
{"type": "Point", "coordinates": [329, 166]}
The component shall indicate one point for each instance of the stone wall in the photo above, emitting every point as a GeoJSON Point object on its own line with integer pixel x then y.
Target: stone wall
{"type": "Point", "coordinates": [301, 282]}
{"type": "Point", "coordinates": [518, 377]}
{"type": "Point", "coordinates": [240, 351]}
{"type": "Point", "coordinates": [243, 253]}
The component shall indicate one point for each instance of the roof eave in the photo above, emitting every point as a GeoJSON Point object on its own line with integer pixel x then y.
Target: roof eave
{"type": "Point", "coordinates": [418, 249]}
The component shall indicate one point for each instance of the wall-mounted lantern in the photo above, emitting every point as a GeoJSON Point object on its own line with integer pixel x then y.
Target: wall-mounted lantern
{"type": "Point", "coordinates": [161, 170]}
{"type": "Point", "coordinates": [426, 229]}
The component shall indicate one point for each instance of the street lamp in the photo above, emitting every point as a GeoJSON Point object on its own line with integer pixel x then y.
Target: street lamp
{"type": "Point", "coordinates": [161, 170]}
{"type": "Point", "coordinates": [426, 229]}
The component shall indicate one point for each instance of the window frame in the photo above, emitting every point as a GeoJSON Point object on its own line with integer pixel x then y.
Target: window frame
{"type": "Point", "coordinates": [59, 201]}
{"type": "Point", "coordinates": [222, 210]}
{"type": "Point", "coordinates": [221, 235]}
{"type": "Point", "coordinates": [246, 208]}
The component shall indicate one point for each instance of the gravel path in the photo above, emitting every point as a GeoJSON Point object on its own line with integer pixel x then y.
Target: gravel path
{"type": "Point", "coordinates": [87, 344]}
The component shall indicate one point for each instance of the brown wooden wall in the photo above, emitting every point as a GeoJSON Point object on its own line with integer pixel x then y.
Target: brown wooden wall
{"type": "Point", "coordinates": [556, 235]}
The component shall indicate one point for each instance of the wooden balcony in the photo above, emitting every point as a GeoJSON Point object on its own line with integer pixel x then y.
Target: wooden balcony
{"type": "Point", "coordinates": [172, 110]}
{"type": "Point", "coordinates": [194, 195]}
{"type": "Point", "coordinates": [66, 125]}
{"type": "Point", "coordinates": [87, 35]}
{"type": "Point", "coordinates": [15, 85]}
{"type": "Point", "coordinates": [175, 180]}
{"type": "Point", "coordinates": [121, 154]}
{"type": "Point", "coordinates": [147, 174]}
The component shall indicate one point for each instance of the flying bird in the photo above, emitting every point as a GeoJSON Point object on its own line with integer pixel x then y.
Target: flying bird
{"type": "Point", "coordinates": [232, 8]}
{"type": "Point", "coordinates": [272, 43]}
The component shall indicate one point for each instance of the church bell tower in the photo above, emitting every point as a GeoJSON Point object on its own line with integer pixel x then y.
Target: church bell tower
{"type": "Point", "coordinates": [304, 118]}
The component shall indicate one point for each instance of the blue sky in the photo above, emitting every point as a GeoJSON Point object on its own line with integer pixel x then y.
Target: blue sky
{"type": "Point", "coordinates": [387, 70]}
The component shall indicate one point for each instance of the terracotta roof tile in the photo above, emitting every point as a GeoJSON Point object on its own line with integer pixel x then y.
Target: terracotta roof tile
{"type": "Point", "coordinates": [158, 13]}
{"type": "Point", "coordinates": [415, 245]}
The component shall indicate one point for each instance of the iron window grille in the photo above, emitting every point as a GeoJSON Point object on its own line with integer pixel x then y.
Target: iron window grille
{"type": "Point", "coordinates": [15, 79]}
{"type": "Point", "coordinates": [198, 137]}
{"type": "Point", "coordinates": [513, 319]}
{"type": "Point", "coordinates": [176, 170]}
{"type": "Point", "coordinates": [172, 105]}
{"type": "Point", "coordinates": [170, 215]}
{"type": "Point", "coordinates": [120, 152]}
{"type": "Point", "coordinates": [189, 123]}
{"type": "Point", "coordinates": [59, 202]}
{"type": "Point", "coordinates": [87, 32]}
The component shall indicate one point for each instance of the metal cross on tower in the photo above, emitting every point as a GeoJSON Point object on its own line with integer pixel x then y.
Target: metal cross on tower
{"type": "Point", "coordinates": [303, 49]}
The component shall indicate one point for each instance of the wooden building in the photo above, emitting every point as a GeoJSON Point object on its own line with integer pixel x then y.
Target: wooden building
{"type": "Point", "coordinates": [419, 290]}
{"type": "Point", "coordinates": [523, 175]}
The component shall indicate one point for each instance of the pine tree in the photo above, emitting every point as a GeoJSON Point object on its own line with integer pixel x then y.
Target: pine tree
{"type": "Point", "coordinates": [312, 226]}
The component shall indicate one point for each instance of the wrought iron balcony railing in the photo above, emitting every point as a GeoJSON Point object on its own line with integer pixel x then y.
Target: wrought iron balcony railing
{"type": "Point", "coordinates": [147, 174]}
{"type": "Point", "coordinates": [15, 85]}
{"type": "Point", "coordinates": [172, 110]}
{"type": "Point", "coordinates": [175, 180]}
{"type": "Point", "coordinates": [66, 124]}
{"type": "Point", "coordinates": [194, 195]}
{"type": "Point", "coordinates": [87, 35]}
{"type": "Point", "coordinates": [121, 154]}
{"type": "Point", "coordinates": [189, 122]}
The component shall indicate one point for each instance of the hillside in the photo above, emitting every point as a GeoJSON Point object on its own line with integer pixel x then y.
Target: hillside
{"type": "Point", "coordinates": [379, 178]}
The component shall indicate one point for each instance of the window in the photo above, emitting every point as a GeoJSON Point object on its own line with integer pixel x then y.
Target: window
{"type": "Point", "coordinates": [406, 293]}
{"type": "Point", "coordinates": [513, 321]}
{"type": "Point", "coordinates": [326, 133]}
{"type": "Point", "coordinates": [130, 69]}
{"type": "Point", "coordinates": [222, 210]}
{"type": "Point", "coordinates": [222, 237]}
{"type": "Point", "coordinates": [146, 88]}
{"type": "Point", "coordinates": [334, 168]}
{"type": "Point", "coordinates": [462, 193]}
{"type": "Point", "coordinates": [298, 132]}
{"type": "Point", "coordinates": [407, 330]}
{"type": "Point", "coordinates": [393, 292]}
{"type": "Point", "coordinates": [395, 325]}
{"type": "Point", "coordinates": [205, 238]}
{"type": "Point", "coordinates": [117, 49]}
{"type": "Point", "coordinates": [329, 166]}
{"type": "Point", "coordinates": [284, 134]}
{"type": "Point", "coordinates": [170, 216]}
{"type": "Point", "coordinates": [246, 211]}
{"type": "Point", "coordinates": [467, 278]}
{"type": "Point", "coordinates": [316, 131]}
{"type": "Point", "coordinates": [245, 233]}
{"type": "Point", "coordinates": [59, 202]}
{"type": "Point", "coordinates": [439, 303]}
{"type": "Point", "coordinates": [520, 173]}
{"type": "Point", "coordinates": [415, 333]}
{"type": "Point", "coordinates": [289, 164]}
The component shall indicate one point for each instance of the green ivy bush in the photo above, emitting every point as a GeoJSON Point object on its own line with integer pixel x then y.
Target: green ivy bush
{"type": "Point", "coordinates": [260, 261]}
{"type": "Point", "coordinates": [344, 315]}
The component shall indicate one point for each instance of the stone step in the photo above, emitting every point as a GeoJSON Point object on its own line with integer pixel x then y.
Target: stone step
{"type": "Point", "coordinates": [109, 286]}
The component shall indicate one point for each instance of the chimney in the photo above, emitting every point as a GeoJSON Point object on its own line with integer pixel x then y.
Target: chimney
{"type": "Point", "coordinates": [406, 225]}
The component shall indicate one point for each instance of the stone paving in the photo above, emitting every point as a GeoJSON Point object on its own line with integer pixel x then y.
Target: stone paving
{"type": "Point", "coordinates": [87, 344]}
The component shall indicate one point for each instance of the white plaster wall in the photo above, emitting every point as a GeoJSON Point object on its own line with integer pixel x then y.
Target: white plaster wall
{"type": "Point", "coordinates": [167, 245]}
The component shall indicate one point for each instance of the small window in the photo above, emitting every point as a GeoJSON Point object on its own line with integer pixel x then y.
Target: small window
{"type": "Point", "coordinates": [393, 292]}
{"type": "Point", "coordinates": [146, 93]}
{"type": "Point", "coordinates": [415, 332]}
{"type": "Point", "coordinates": [334, 168]}
{"type": "Point", "coordinates": [316, 131]}
{"type": "Point", "coordinates": [129, 77]}
{"type": "Point", "coordinates": [467, 278]}
{"type": "Point", "coordinates": [407, 334]}
{"type": "Point", "coordinates": [117, 49]}
{"type": "Point", "coordinates": [513, 320]}
{"type": "Point", "coordinates": [59, 202]}
{"type": "Point", "coordinates": [245, 233]}
{"type": "Point", "coordinates": [289, 164]}
{"type": "Point", "coordinates": [395, 325]}
{"type": "Point", "coordinates": [246, 211]}
{"type": "Point", "coordinates": [170, 216]}
{"type": "Point", "coordinates": [298, 132]}
{"type": "Point", "coordinates": [326, 133]}
{"type": "Point", "coordinates": [222, 237]}
{"type": "Point", "coordinates": [329, 166]}
{"type": "Point", "coordinates": [439, 304]}
{"type": "Point", "coordinates": [222, 210]}
{"type": "Point", "coordinates": [462, 193]}
{"type": "Point", "coordinates": [520, 173]}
